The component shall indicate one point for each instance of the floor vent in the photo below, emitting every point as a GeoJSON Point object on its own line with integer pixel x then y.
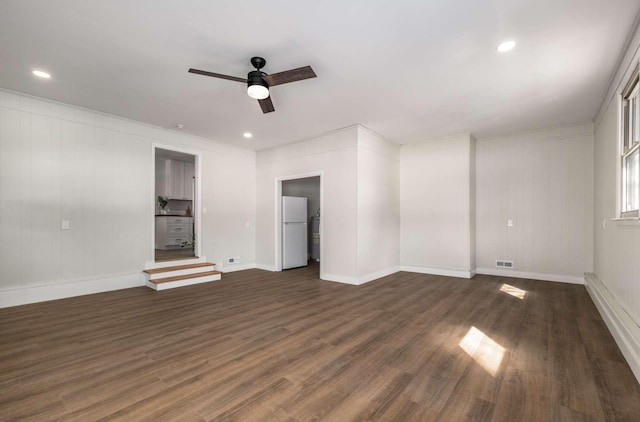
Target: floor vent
{"type": "Point", "coordinates": [504, 264]}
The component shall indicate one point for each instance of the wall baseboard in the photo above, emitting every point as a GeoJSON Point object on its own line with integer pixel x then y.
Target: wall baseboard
{"type": "Point", "coordinates": [342, 279]}
{"type": "Point", "coordinates": [438, 271]}
{"type": "Point", "coordinates": [623, 329]}
{"type": "Point", "coordinates": [533, 276]}
{"type": "Point", "coordinates": [266, 267]}
{"type": "Point", "coordinates": [235, 267]}
{"type": "Point", "coordinates": [34, 294]}
{"type": "Point", "coordinates": [377, 274]}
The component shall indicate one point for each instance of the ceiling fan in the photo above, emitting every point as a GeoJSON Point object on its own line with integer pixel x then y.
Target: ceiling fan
{"type": "Point", "coordinates": [258, 82]}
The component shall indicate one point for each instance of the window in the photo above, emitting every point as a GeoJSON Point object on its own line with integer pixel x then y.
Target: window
{"type": "Point", "coordinates": [631, 148]}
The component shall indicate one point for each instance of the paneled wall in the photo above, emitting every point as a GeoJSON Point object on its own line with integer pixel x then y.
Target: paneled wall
{"type": "Point", "coordinates": [334, 155]}
{"type": "Point", "coordinates": [59, 162]}
{"type": "Point", "coordinates": [617, 243]}
{"type": "Point", "coordinates": [437, 206]}
{"type": "Point", "coordinates": [542, 182]}
{"type": "Point", "coordinates": [378, 206]}
{"type": "Point", "coordinates": [360, 215]}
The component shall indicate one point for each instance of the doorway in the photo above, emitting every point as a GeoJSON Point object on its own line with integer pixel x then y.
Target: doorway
{"type": "Point", "coordinates": [309, 187]}
{"type": "Point", "coordinates": [176, 199]}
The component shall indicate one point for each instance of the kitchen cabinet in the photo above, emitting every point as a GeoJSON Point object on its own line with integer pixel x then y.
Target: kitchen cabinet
{"type": "Point", "coordinates": [174, 179]}
{"type": "Point", "coordinates": [172, 231]}
{"type": "Point", "coordinates": [189, 180]}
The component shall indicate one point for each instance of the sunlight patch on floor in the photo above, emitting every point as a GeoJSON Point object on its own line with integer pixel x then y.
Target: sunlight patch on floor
{"type": "Point", "coordinates": [513, 291]}
{"type": "Point", "coordinates": [486, 352]}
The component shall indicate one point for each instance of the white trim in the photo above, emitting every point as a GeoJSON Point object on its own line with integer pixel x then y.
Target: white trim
{"type": "Point", "coordinates": [625, 64]}
{"type": "Point", "coordinates": [182, 283]}
{"type": "Point", "coordinates": [562, 278]}
{"type": "Point", "coordinates": [355, 281]}
{"type": "Point", "coordinates": [438, 271]}
{"type": "Point", "coordinates": [624, 330]}
{"type": "Point", "coordinates": [342, 279]}
{"type": "Point", "coordinates": [196, 203]}
{"type": "Point", "coordinates": [378, 274]}
{"type": "Point", "coordinates": [266, 267]}
{"type": "Point", "coordinates": [34, 294]}
{"type": "Point", "coordinates": [236, 267]}
{"type": "Point", "coordinates": [150, 265]}
{"type": "Point", "coordinates": [278, 218]}
{"type": "Point", "coordinates": [178, 273]}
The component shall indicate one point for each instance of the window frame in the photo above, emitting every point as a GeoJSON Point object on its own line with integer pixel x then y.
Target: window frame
{"type": "Point", "coordinates": [629, 140]}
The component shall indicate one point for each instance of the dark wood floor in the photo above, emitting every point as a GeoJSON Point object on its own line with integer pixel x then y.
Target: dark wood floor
{"type": "Point", "coordinates": [260, 346]}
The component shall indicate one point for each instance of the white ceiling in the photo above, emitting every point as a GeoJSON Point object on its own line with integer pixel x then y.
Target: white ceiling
{"type": "Point", "coordinates": [408, 70]}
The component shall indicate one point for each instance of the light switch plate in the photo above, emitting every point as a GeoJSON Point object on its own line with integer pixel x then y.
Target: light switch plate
{"type": "Point", "coordinates": [64, 225]}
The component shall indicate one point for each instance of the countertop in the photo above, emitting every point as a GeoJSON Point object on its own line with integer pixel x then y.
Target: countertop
{"type": "Point", "coordinates": [173, 215]}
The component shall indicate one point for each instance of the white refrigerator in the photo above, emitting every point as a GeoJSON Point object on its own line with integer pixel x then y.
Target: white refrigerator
{"type": "Point", "coordinates": [294, 232]}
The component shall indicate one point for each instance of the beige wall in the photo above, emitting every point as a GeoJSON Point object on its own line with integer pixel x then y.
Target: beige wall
{"type": "Point", "coordinates": [334, 155]}
{"type": "Point", "coordinates": [437, 206]}
{"type": "Point", "coordinates": [59, 162]}
{"type": "Point", "coordinates": [378, 206]}
{"type": "Point", "coordinates": [360, 211]}
{"type": "Point", "coordinates": [543, 182]}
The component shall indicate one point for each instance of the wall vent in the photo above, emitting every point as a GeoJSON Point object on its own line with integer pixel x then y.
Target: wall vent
{"type": "Point", "coordinates": [504, 264]}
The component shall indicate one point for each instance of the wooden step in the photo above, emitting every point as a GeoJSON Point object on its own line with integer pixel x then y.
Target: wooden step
{"type": "Point", "coordinates": [184, 280]}
{"type": "Point", "coordinates": [184, 277]}
{"type": "Point", "coordinates": [178, 268]}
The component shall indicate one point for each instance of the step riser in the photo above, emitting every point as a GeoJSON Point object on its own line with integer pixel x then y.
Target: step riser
{"type": "Point", "coordinates": [162, 264]}
{"type": "Point", "coordinates": [180, 272]}
{"type": "Point", "coordinates": [181, 283]}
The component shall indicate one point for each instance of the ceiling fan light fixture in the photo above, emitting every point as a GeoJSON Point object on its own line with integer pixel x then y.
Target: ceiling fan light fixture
{"type": "Point", "coordinates": [506, 46]}
{"type": "Point", "coordinates": [258, 92]}
{"type": "Point", "coordinates": [257, 87]}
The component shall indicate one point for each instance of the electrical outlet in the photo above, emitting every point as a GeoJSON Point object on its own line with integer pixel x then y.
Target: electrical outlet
{"type": "Point", "coordinates": [233, 260]}
{"type": "Point", "coordinates": [64, 225]}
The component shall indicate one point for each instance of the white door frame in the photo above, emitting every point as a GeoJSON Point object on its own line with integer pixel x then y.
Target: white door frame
{"type": "Point", "coordinates": [278, 220]}
{"type": "Point", "coordinates": [197, 201]}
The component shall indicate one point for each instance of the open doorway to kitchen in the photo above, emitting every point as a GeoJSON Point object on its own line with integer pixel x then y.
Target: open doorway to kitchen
{"type": "Point", "coordinates": [302, 195]}
{"type": "Point", "coordinates": [175, 204]}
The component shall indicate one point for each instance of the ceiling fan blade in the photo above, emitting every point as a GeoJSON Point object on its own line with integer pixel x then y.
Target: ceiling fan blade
{"type": "Point", "coordinates": [218, 75]}
{"type": "Point", "coordinates": [292, 75]}
{"type": "Point", "coordinates": [266, 105]}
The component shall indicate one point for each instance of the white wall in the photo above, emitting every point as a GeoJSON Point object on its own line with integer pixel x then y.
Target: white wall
{"type": "Point", "coordinates": [542, 181]}
{"type": "Point", "coordinates": [335, 156]}
{"type": "Point", "coordinates": [360, 215]}
{"type": "Point", "coordinates": [437, 206]}
{"type": "Point", "coordinates": [61, 162]}
{"type": "Point", "coordinates": [615, 282]}
{"type": "Point", "coordinates": [617, 247]}
{"type": "Point", "coordinates": [378, 206]}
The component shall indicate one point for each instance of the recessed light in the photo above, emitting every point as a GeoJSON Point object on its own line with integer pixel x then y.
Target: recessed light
{"type": "Point", "coordinates": [506, 46]}
{"type": "Point", "coordinates": [41, 74]}
{"type": "Point", "coordinates": [247, 135]}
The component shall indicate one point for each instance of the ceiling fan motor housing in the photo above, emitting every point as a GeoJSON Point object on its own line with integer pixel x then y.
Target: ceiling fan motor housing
{"type": "Point", "coordinates": [257, 87]}
{"type": "Point", "coordinates": [255, 78]}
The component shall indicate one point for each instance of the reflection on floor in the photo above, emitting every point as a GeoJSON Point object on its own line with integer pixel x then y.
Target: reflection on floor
{"type": "Point", "coordinates": [172, 254]}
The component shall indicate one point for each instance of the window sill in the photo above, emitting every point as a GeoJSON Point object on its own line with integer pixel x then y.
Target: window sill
{"type": "Point", "coordinates": [627, 221]}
